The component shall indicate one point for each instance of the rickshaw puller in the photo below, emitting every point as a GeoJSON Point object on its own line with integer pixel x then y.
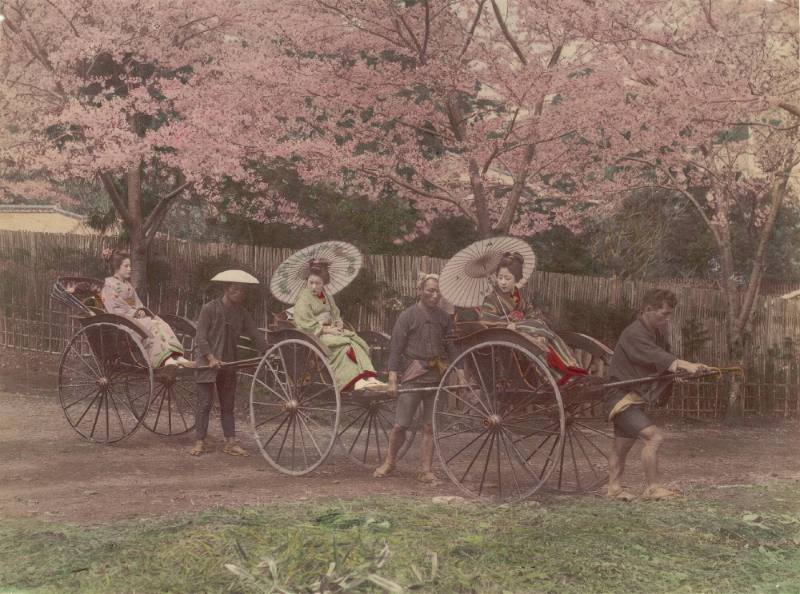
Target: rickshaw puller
{"type": "Point", "coordinates": [642, 350]}
{"type": "Point", "coordinates": [222, 321]}
{"type": "Point", "coordinates": [419, 349]}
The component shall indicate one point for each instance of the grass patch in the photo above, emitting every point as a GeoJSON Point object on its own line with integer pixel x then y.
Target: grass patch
{"type": "Point", "coordinates": [746, 539]}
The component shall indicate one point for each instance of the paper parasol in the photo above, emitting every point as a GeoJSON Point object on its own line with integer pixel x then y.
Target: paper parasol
{"type": "Point", "coordinates": [344, 261]}
{"type": "Point", "coordinates": [465, 280]}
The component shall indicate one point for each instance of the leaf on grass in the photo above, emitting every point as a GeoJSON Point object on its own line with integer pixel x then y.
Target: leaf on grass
{"type": "Point", "coordinates": [240, 550]}
{"type": "Point", "coordinates": [383, 526]}
{"type": "Point", "coordinates": [273, 568]}
{"type": "Point", "coordinates": [416, 573]}
{"type": "Point", "coordinates": [387, 585]}
{"type": "Point", "coordinates": [237, 571]}
{"type": "Point", "coordinates": [755, 520]}
{"type": "Point", "coordinates": [789, 519]}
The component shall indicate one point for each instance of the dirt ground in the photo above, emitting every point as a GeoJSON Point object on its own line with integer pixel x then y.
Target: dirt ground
{"type": "Point", "coordinates": [48, 471]}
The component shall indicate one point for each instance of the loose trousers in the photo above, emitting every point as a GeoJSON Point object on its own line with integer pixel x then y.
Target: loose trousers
{"type": "Point", "coordinates": [225, 388]}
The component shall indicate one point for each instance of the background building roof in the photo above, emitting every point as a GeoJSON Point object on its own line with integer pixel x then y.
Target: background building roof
{"type": "Point", "coordinates": [42, 217]}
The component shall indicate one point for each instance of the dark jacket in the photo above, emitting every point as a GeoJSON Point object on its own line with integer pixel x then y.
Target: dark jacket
{"type": "Point", "coordinates": [212, 334]}
{"type": "Point", "coordinates": [641, 352]}
{"type": "Point", "coordinates": [420, 333]}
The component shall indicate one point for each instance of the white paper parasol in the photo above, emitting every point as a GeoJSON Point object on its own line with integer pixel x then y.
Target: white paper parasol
{"type": "Point", "coordinates": [465, 280]}
{"type": "Point", "coordinates": [343, 259]}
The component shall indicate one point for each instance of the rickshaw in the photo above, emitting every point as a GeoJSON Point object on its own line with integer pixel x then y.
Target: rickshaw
{"type": "Point", "coordinates": [506, 433]}
{"type": "Point", "coordinates": [106, 386]}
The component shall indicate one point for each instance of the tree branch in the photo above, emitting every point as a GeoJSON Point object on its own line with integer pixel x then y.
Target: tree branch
{"type": "Point", "coordinates": [777, 194]}
{"type": "Point", "coordinates": [354, 23]}
{"type": "Point", "coordinates": [460, 204]}
{"type": "Point", "coordinates": [504, 224]}
{"type": "Point", "coordinates": [157, 215]}
{"type": "Point", "coordinates": [792, 109]}
{"type": "Point", "coordinates": [116, 198]}
{"type": "Point", "coordinates": [507, 34]}
{"type": "Point", "coordinates": [427, 31]}
{"type": "Point", "coordinates": [472, 28]}
{"type": "Point", "coordinates": [66, 18]}
{"type": "Point", "coordinates": [414, 39]}
{"type": "Point", "coordinates": [676, 188]}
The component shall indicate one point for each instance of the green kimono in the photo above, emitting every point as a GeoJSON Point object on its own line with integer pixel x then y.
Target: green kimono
{"type": "Point", "coordinates": [349, 353]}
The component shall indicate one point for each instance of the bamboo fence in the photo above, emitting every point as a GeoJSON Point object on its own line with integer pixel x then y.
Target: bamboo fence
{"type": "Point", "coordinates": [30, 263]}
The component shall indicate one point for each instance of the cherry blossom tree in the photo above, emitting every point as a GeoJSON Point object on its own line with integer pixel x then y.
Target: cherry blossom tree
{"type": "Point", "coordinates": [511, 113]}
{"type": "Point", "coordinates": [718, 123]}
{"type": "Point", "coordinates": [481, 109]}
{"type": "Point", "coordinates": [123, 93]}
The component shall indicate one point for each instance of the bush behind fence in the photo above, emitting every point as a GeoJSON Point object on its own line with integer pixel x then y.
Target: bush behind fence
{"type": "Point", "coordinates": [601, 307]}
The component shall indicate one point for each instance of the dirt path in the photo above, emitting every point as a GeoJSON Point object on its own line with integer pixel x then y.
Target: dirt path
{"type": "Point", "coordinates": [48, 471]}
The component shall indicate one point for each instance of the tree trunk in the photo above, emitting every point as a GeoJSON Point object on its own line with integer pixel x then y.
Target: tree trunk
{"type": "Point", "coordinates": [734, 337]}
{"type": "Point", "coordinates": [507, 219]}
{"type": "Point", "coordinates": [739, 325]}
{"type": "Point", "coordinates": [141, 229]}
{"type": "Point", "coordinates": [137, 232]}
{"type": "Point", "coordinates": [479, 199]}
{"type": "Point", "coordinates": [458, 127]}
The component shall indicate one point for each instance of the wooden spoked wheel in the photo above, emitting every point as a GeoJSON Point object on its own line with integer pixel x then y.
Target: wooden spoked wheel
{"type": "Point", "coordinates": [172, 408]}
{"type": "Point", "coordinates": [367, 419]}
{"type": "Point", "coordinates": [364, 429]}
{"type": "Point", "coordinates": [294, 407]}
{"type": "Point", "coordinates": [105, 382]}
{"type": "Point", "coordinates": [588, 438]}
{"type": "Point", "coordinates": [174, 402]}
{"type": "Point", "coordinates": [500, 437]}
{"type": "Point", "coordinates": [365, 425]}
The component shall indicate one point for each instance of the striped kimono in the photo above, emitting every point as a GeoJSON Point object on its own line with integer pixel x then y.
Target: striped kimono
{"type": "Point", "coordinates": [512, 308]}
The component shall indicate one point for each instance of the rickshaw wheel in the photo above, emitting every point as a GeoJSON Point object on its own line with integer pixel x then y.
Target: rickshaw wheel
{"type": "Point", "coordinates": [365, 425]}
{"type": "Point", "coordinates": [367, 419]}
{"type": "Point", "coordinates": [174, 402]}
{"type": "Point", "coordinates": [294, 407]}
{"type": "Point", "coordinates": [172, 408]}
{"type": "Point", "coordinates": [501, 437]}
{"type": "Point", "coordinates": [104, 382]}
{"type": "Point", "coordinates": [587, 441]}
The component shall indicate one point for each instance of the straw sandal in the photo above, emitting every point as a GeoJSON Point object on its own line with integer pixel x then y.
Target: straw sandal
{"type": "Point", "coordinates": [199, 448]}
{"type": "Point", "coordinates": [234, 449]}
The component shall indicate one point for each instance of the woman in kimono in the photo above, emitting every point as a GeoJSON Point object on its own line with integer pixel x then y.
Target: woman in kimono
{"type": "Point", "coordinates": [507, 306]}
{"type": "Point", "coordinates": [317, 313]}
{"type": "Point", "coordinates": [119, 297]}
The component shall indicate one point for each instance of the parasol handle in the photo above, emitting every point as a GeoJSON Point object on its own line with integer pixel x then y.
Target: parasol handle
{"type": "Point", "coordinates": [503, 307]}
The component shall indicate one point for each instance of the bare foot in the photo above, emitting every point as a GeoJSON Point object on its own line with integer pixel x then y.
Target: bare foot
{"type": "Point", "coordinates": [619, 493]}
{"type": "Point", "coordinates": [657, 493]}
{"type": "Point", "coordinates": [385, 469]}
{"type": "Point", "coordinates": [199, 448]}
{"type": "Point", "coordinates": [427, 477]}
